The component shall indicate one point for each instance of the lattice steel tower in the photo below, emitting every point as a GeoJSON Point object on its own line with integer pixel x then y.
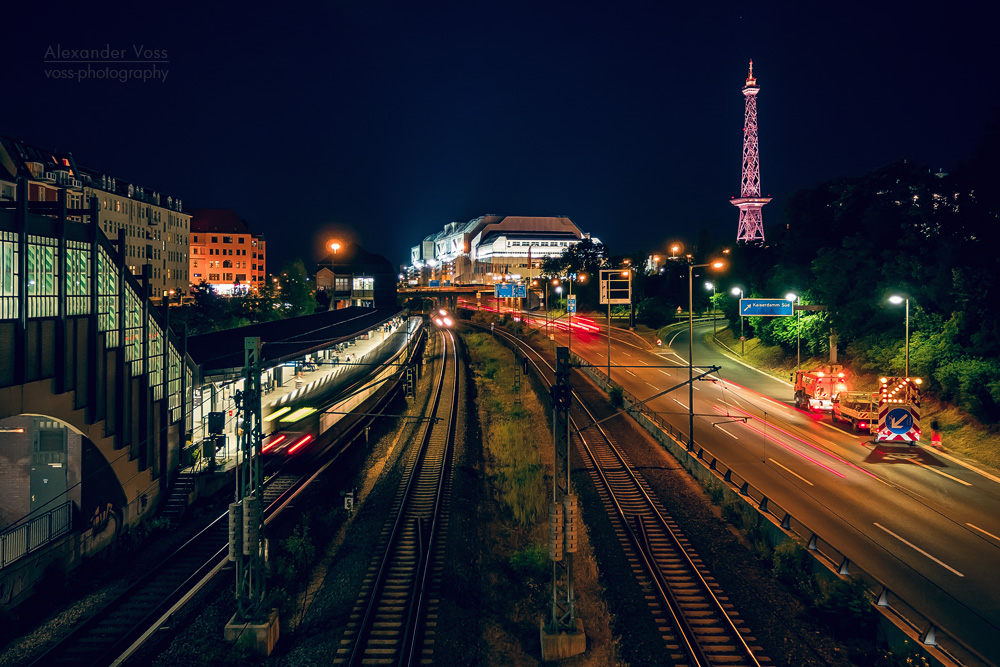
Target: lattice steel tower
{"type": "Point", "coordinates": [750, 202]}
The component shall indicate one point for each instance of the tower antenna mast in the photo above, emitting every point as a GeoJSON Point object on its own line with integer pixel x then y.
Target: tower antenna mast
{"type": "Point", "coordinates": [750, 202]}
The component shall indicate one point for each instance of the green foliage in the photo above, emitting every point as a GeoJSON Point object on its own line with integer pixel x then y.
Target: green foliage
{"type": "Point", "coordinates": [490, 369]}
{"type": "Point", "coordinates": [732, 511]}
{"type": "Point", "coordinates": [973, 385]}
{"type": "Point", "coordinates": [295, 557]}
{"type": "Point", "coordinates": [531, 562]}
{"type": "Point", "coordinates": [653, 312]}
{"type": "Point", "coordinates": [295, 291]}
{"type": "Point", "coordinates": [715, 489]}
{"type": "Point", "coordinates": [615, 396]}
{"type": "Point", "coordinates": [793, 566]}
{"type": "Point", "coordinates": [910, 655]}
{"type": "Point", "coordinates": [846, 606]}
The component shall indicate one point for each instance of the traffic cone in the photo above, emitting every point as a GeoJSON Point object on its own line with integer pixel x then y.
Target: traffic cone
{"type": "Point", "coordinates": [935, 434]}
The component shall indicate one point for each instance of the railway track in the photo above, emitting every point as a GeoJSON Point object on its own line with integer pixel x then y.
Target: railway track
{"type": "Point", "coordinates": [119, 629]}
{"type": "Point", "coordinates": [393, 620]}
{"type": "Point", "coordinates": [698, 625]}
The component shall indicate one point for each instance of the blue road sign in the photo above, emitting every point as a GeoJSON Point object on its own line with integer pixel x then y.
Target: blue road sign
{"type": "Point", "coordinates": [899, 421]}
{"type": "Point", "coordinates": [571, 303]}
{"type": "Point", "coordinates": [766, 307]}
{"type": "Point", "coordinates": [510, 291]}
{"type": "Point", "coordinates": [434, 283]}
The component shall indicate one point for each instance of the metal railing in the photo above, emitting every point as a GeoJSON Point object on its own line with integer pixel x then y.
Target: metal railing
{"type": "Point", "coordinates": [34, 533]}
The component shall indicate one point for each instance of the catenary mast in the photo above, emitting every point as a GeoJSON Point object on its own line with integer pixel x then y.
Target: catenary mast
{"type": "Point", "coordinates": [750, 202]}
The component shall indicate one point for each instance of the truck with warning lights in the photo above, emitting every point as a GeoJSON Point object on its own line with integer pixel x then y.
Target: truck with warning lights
{"type": "Point", "coordinates": [816, 389]}
{"type": "Point", "coordinates": [898, 410]}
{"type": "Point", "coordinates": [859, 408]}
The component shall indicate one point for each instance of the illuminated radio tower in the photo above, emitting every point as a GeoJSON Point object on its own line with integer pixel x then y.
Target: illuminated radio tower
{"type": "Point", "coordinates": [750, 202]}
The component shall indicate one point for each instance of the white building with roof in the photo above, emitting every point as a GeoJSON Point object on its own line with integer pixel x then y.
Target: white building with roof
{"type": "Point", "coordinates": [492, 246]}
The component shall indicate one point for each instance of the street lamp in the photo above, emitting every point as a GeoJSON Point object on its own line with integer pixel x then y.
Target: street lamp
{"type": "Point", "coordinates": [335, 246]}
{"type": "Point", "coordinates": [793, 297]}
{"type": "Point", "coordinates": [674, 249]}
{"type": "Point", "coordinates": [898, 300]}
{"type": "Point", "coordinates": [734, 292]}
{"type": "Point", "coordinates": [710, 285]}
{"type": "Point", "coordinates": [691, 268]}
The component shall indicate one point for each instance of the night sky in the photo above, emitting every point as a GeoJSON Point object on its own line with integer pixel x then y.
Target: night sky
{"type": "Point", "coordinates": [388, 120]}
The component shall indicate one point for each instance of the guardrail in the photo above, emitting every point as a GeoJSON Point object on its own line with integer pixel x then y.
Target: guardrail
{"type": "Point", "coordinates": [35, 533]}
{"type": "Point", "coordinates": [946, 649]}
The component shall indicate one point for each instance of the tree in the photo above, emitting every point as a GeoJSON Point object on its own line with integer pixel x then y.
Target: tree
{"type": "Point", "coordinates": [294, 290]}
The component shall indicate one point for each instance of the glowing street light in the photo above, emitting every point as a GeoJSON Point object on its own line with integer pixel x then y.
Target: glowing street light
{"type": "Point", "coordinates": [691, 268]}
{"type": "Point", "coordinates": [334, 246]}
{"type": "Point", "coordinates": [710, 285]}
{"type": "Point", "coordinates": [793, 297]}
{"type": "Point", "coordinates": [896, 299]}
{"type": "Point", "coordinates": [739, 291]}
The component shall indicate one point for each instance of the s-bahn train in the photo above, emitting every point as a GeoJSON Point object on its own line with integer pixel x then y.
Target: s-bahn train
{"type": "Point", "coordinates": [443, 319]}
{"type": "Point", "coordinates": [335, 411]}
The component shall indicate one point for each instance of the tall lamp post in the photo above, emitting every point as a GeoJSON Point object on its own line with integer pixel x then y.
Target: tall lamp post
{"type": "Point", "coordinates": [793, 297]}
{"type": "Point", "coordinates": [631, 303]}
{"type": "Point", "coordinates": [335, 246]}
{"type": "Point", "coordinates": [896, 299]}
{"type": "Point", "coordinates": [710, 285]}
{"type": "Point", "coordinates": [734, 292]}
{"type": "Point", "coordinates": [691, 268]}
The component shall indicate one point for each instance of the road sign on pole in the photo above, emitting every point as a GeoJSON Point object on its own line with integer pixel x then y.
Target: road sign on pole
{"type": "Point", "coordinates": [615, 287]}
{"type": "Point", "coordinates": [766, 307]}
{"type": "Point", "coordinates": [510, 291]}
{"type": "Point", "coordinates": [571, 303]}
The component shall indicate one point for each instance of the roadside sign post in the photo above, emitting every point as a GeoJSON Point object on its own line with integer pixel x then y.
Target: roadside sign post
{"type": "Point", "coordinates": [616, 288]}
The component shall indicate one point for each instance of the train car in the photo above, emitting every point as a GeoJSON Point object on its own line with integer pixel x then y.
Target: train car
{"type": "Point", "coordinates": [286, 443]}
{"type": "Point", "coordinates": [443, 319]}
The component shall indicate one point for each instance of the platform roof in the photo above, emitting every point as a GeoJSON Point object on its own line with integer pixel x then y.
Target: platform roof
{"type": "Point", "coordinates": [221, 352]}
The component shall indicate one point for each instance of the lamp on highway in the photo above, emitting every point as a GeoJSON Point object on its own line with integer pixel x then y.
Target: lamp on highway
{"type": "Point", "coordinates": [691, 268]}
{"type": "Point", "coordinates": [710, 285]}
{"type": "Point", "coordinates": [896, 299]}
{"type": "Point", "coordinates": [793, 297]}
{"type": "Point", "coordinates": [739, 291]}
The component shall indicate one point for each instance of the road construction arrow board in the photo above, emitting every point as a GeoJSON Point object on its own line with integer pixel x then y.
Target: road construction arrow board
{"type": "Point", "coordinates": [899, 421]}
{"type": "Point", "coordinates": [765, 307]}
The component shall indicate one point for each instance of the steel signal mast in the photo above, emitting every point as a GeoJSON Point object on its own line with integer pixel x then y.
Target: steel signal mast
{"type": "Point", "coordinates": [750, 202]}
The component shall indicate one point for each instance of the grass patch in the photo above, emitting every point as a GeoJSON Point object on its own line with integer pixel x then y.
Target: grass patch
{"type": "Point", "coordinates": [513, 462]}
{"type": "Point", "coordinates": [531, 563]}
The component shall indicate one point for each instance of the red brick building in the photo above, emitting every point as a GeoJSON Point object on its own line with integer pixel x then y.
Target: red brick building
{"type": "Point", "coordinates": [225, 252]}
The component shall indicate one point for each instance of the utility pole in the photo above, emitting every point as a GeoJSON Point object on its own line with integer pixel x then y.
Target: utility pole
{"type": "Point", "coordinates": [562, 635]}
{"type": "Point", "coordinates": [246, 526]}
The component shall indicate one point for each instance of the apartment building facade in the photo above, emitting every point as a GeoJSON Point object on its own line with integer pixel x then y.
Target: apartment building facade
{"type": "Point", "coordinates": [225, 252]}
{"type": "Point", "coordinates": [152, 227]}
